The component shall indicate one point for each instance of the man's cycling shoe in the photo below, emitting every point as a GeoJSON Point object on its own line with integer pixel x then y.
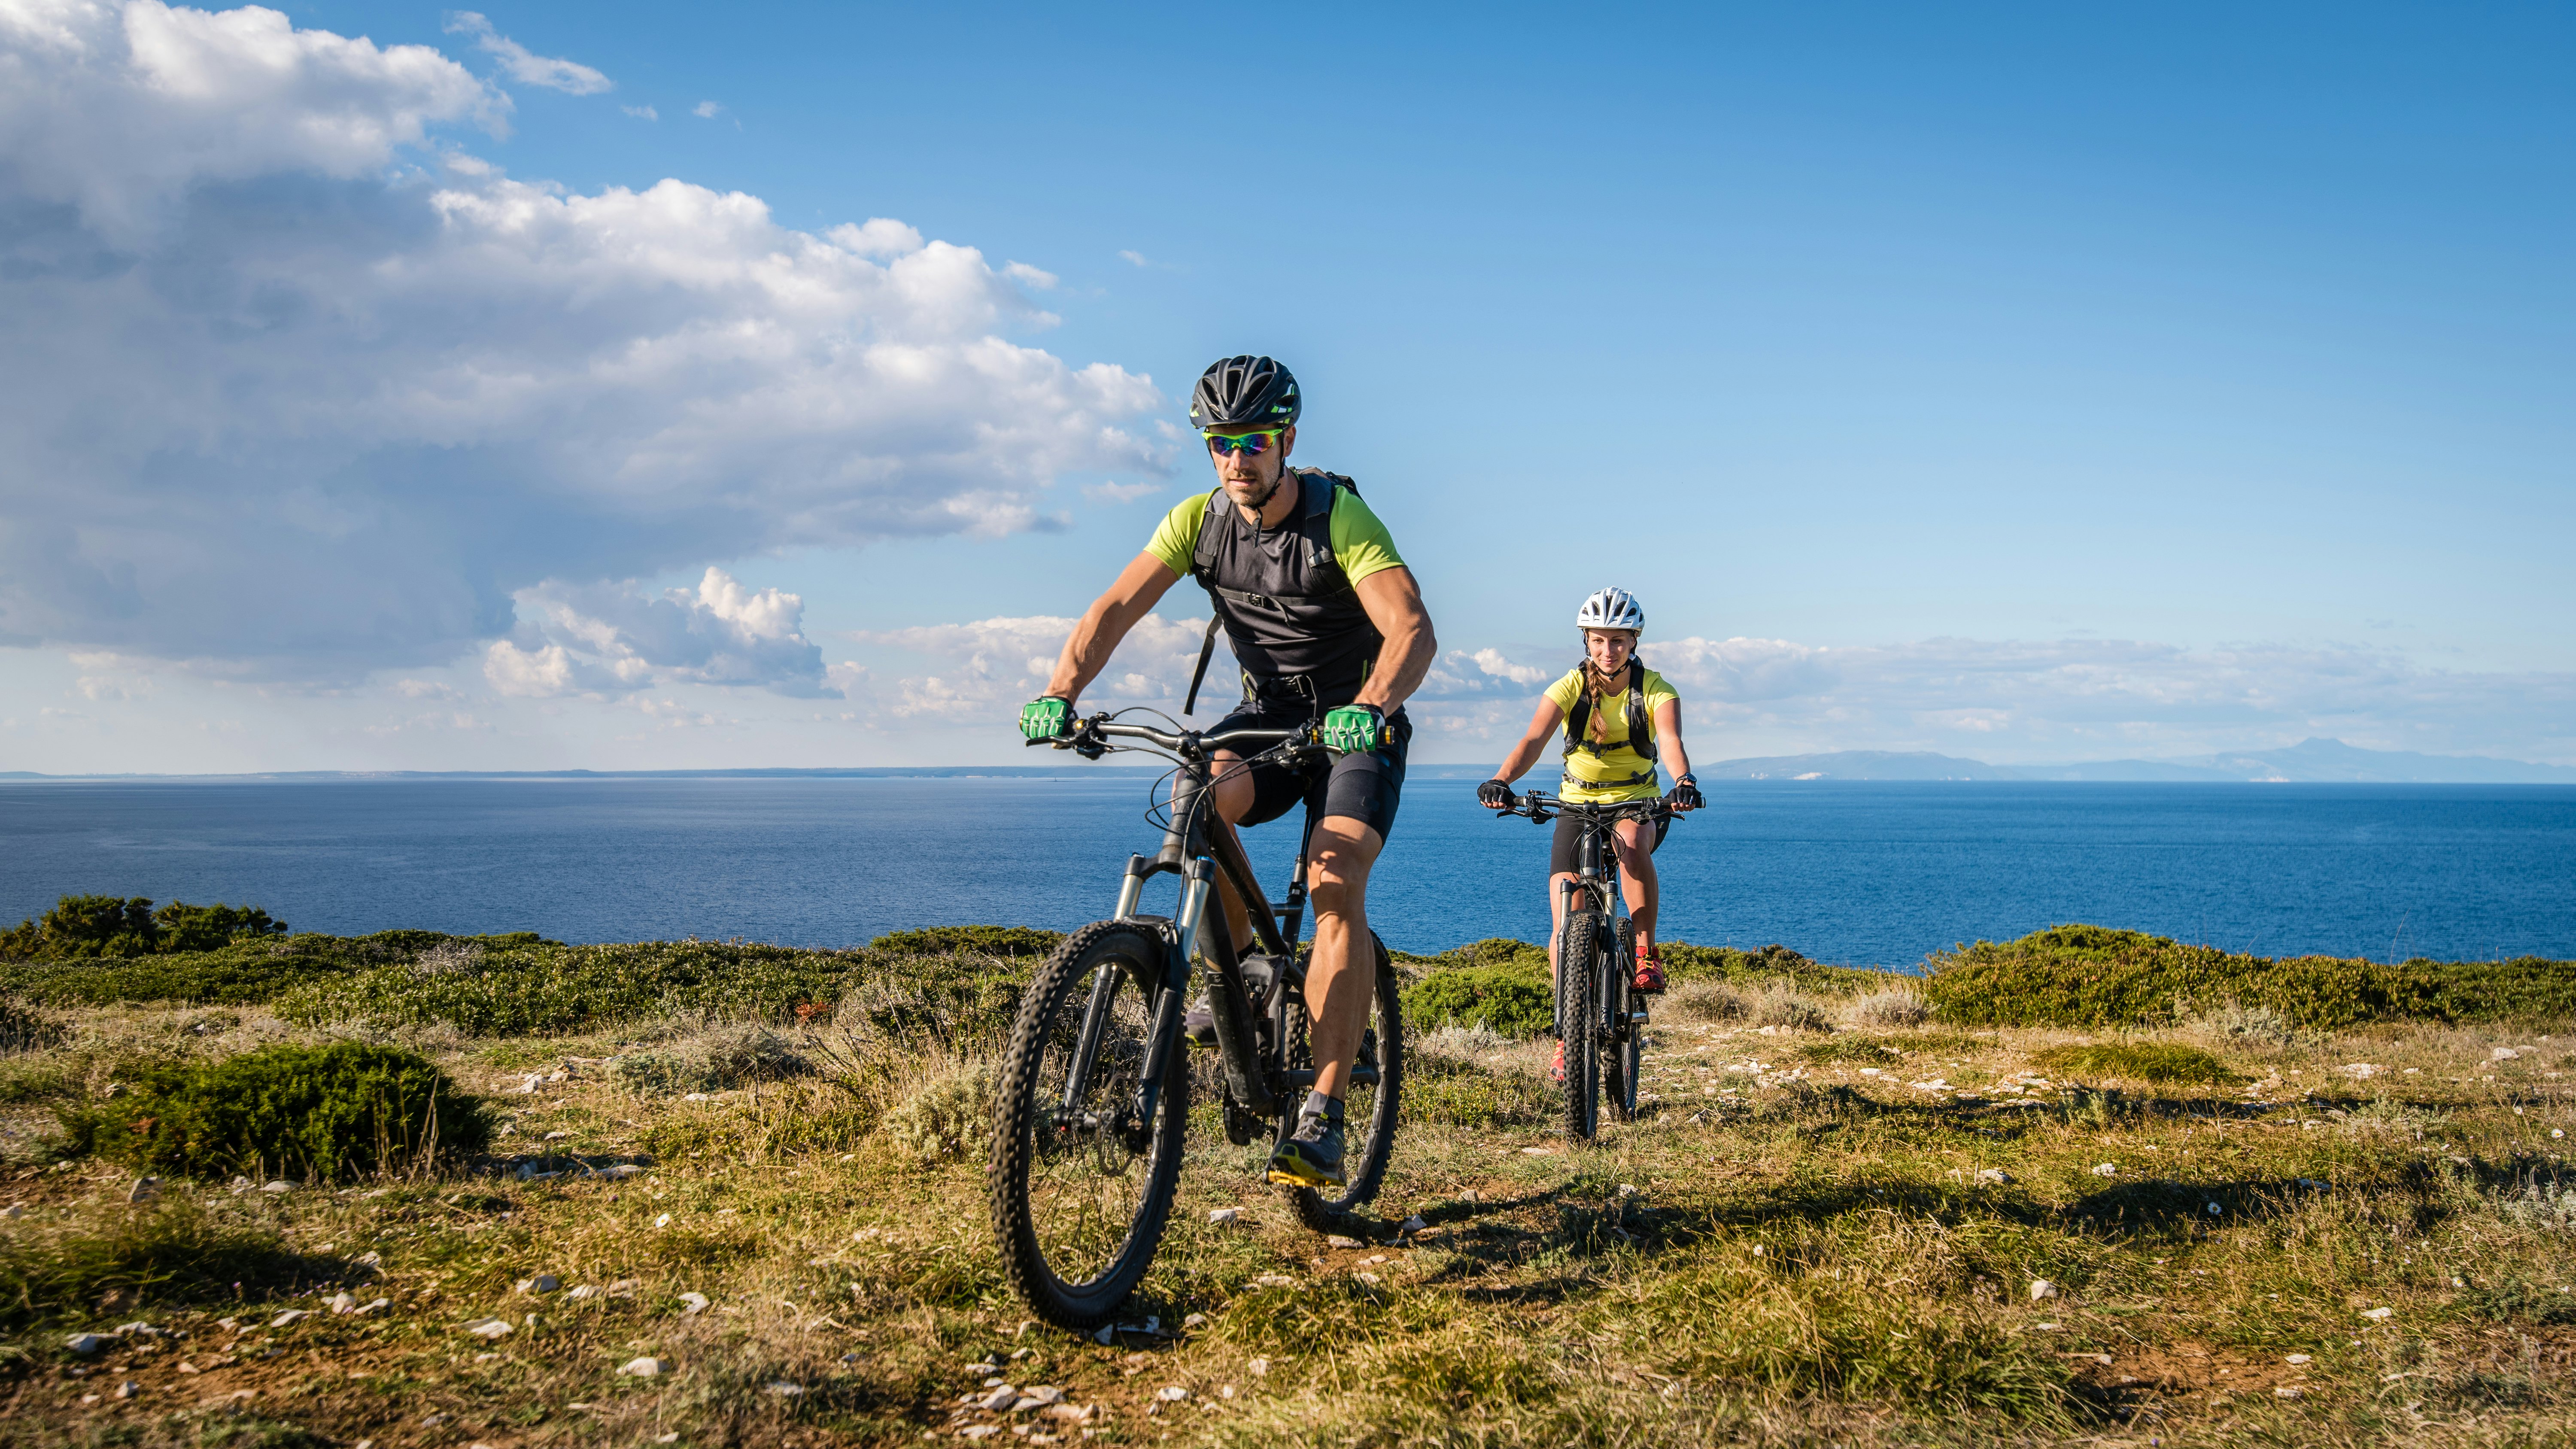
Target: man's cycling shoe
{"type": "Point", "coordinates": [1650, 974]}
{"type": "Point", "coordinates": [1312, 1155]}
{"type": "Point", "coordinates": [1200, 1022]}
{"type": "Point", "coordinates": [1556, 1069]}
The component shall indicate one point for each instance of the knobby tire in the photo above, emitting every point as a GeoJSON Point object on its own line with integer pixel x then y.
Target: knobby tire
{"type": "Point", "coordinates": [1578, 968]}
{"type": "Point", "coordinates": [1059, 1190]}
{"type": "Point", "coordinates": [1619, 1071]}
{"type": "Point", "coordinates": [1368, 1146]}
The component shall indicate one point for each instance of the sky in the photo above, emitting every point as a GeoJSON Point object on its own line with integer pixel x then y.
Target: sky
{"type": "Point", "coordinates": [393, 387]}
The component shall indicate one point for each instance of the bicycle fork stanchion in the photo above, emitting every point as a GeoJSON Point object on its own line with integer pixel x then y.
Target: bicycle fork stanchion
{"type": "Point", "coordinates": [1166, 1033]}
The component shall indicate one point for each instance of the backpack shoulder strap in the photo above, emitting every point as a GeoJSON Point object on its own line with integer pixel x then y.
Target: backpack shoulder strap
{"type": "Point", "coordinates": [1203, 557]}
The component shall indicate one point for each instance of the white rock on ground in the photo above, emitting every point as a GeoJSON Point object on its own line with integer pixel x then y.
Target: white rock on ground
{"type": "Point", "coordinates": [1994, 1176]}
{"type": "Point", "coordinates": [1038, 1396]}
{"type": "Point", "coordinates": [1001, 1398]}
{"type": "Point", "coordinates": [2106, 1169]}
{"type": "Point", "coordinates": [1258, 1368]}
{"type": "Point", "coordinates": [785, 1390]}
{"type": "Point", "coordinates": [1194, 1320]}
{"type": "Point", "coordinates": [542, 1283]}
{"type": "Point", "coordinates": [693, 1303]}
{"type": "Point", "coordinates": [1338, 1241]}
{"type": "Point", "coordinates": [1224, 1215]}
{"type": "Point", "coordinates": [586, 1290]}
{"type": "Point", "coordinates": [2041, 1288]}
{"type": "Point", "coordinates": [280, 1185]}
{"type": "Point", "coordinates": [1414, 1224]}
{"type": "Point", "coordinates": [644, 1368]}
{"type": "Point", "coordinates": [85, 1343]}
{"type": "Point", "coordinates": [343, 1303]}
{"type": "Point", "coordinates": [491, 1328]}
{"type": "Point", "coordinates": [289, 1316]}
{"type": "Point", "coordinates": [1171, 1393]}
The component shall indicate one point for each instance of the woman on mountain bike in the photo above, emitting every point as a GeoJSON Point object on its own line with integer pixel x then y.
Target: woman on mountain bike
{"type": "Point", "coordinates": [1620, 718]}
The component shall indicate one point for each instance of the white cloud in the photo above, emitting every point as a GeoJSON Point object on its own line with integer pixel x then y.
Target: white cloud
{"type": "Point", "coordinates": [521, 65]}
{"type": "Point", "coordinates": [1121, 492]}
{"type": "Point", "coordinates": [991, 666]}
{"type": "Point", "coordinates": [616, 638]}
{"type": "Point", "coordinates": [277, 402]}
{"type": "Point", "coordinates": [642, 113]}
{"type": "Point", "coordinates": [706, 110]}
{"type": "Point", "coordinates": [1136, 259]}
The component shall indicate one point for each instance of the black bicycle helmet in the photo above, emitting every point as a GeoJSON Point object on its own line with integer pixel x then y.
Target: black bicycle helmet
{"type": "Point", "coordinates": [1244, 392]}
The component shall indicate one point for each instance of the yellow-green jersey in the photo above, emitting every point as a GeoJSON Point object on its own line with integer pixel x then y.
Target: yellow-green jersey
{"type": "Point", "coordinates": [1603, 767]}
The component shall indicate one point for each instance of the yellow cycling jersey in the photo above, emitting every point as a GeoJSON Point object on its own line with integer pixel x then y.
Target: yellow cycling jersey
{"type": "Point", "coordinates": [1611, 757]}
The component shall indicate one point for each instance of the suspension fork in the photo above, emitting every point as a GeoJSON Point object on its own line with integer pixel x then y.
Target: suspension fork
{"type": "Point", "coordinates": [1197, 879]}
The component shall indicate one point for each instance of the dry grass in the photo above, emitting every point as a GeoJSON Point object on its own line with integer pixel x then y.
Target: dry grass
{"type": "Point", "coordinates": [1792, 1245]}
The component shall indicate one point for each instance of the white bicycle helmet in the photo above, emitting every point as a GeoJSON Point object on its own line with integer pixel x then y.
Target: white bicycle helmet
{"type": "Point", "coordinates": [1611, 609]}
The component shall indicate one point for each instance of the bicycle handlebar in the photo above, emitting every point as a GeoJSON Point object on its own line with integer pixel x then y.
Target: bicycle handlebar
{"type": "Point", "coordinates": [1189, 744]}
{"type": "Point", "coordinates": [1539, 808]}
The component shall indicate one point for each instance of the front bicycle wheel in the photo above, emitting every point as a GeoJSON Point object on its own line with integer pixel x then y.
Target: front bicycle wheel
{"type": "Point", "coordinates": [1368, 1108]}
{"type": "Point", "coordinates": [1081, 1184]}
{"type": "Point", "coordinates": [1625, 1058]}
{"type": "Point", "coordinates": [1578, 954]}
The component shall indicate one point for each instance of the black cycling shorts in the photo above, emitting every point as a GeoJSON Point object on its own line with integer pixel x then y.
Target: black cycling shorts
{"type": "Point", "coordinates": [1363, 787]}
{"type": "Point", "coordinates": [1560, 851]}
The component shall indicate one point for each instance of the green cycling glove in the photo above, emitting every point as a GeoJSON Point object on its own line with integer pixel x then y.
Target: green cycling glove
{"type": "Point", "coordinates": [1354, 729]}
{"type": "Point", "coordinates": [1046, 719]}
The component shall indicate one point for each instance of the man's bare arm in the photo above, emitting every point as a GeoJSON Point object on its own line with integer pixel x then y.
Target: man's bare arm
{"type": "Point", "coordinates": [1394, 604]}
{"type": "Point", "coordinates": [1140, 586]}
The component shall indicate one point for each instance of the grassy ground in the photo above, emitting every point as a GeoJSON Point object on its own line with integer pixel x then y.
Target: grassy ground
{"type": "Point", "coordinates": [1810, 1236]}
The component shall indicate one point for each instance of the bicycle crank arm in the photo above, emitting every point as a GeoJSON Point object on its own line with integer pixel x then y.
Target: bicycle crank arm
{"type": "Point", "coordinates": [1305, 1078]}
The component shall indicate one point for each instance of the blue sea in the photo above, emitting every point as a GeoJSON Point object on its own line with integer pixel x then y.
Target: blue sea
{"type": "Point", "coordinates": [1867, 874]}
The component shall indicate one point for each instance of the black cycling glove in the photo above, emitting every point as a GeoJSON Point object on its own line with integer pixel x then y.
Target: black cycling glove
{"type": "Point", "coordinates": [1685, 794]}
{"type": "Point", "coordinates": [1495, 795]}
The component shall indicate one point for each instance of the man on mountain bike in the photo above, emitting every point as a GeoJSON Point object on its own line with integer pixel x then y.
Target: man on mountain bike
{"type": "Point", "coordinates": [1325, 620]}
{"type": "Point", "coordinates": [1620, 717]}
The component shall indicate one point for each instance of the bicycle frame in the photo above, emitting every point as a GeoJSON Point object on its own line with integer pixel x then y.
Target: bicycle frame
{"type": "Point", "coordinates": [1200, 855]}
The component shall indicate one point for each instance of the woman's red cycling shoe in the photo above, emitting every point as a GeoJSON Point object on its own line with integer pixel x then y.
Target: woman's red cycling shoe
{"type": "Point", "coordinates": [1556, 1070]}
{"type": "Point", "coordinates": [1650, 974]}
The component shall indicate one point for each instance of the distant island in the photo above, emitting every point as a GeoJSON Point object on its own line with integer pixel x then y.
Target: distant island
{"type": "Point", "coordinates": [2309, 762]}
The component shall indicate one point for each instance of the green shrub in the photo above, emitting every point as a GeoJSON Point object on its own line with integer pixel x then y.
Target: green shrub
{"type": "Point", "coordinates": [325, 1113]}
{"type": "Point", "coordinates": [89, 928]}
{"type": "Point", "coordinates": [969, 940]}
{"type": "Point", "coordinates": [2140, 1061]}
{"type": "Point", "coordinates": [1512, 1000]}
{"type": "Point", "coordinates": [550, 989]}
{"type": "Point", "coordinates": [2087, 976]}
{"type": "Point", "coordinates": [247, 970]}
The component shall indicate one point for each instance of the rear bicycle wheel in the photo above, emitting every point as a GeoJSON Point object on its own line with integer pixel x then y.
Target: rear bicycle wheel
{"type": "Point", "coordinates": [1368, 1109]}
{"type": "Point", "coordinates": [1081, 1187]}
{"type": "Point", "coordinates": [1578, 953]}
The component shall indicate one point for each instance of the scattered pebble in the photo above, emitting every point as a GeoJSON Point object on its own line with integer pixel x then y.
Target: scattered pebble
{"type": "Point", "coordinates": [2041, 1288]}
{"type": "Point", "coordinates": [785, 1390]}
{"type": "Point", "coordinates": [2289, 1391]}
{"type": "Point", "coordinates": [542, 1283]}
{"type": "Point", "coordinates": [280, 1185]}
{"type": "Point", "coordinates": [1269, 1280]}
{"type": "Point", "coordinates": [2298, 1358]}
{"type": "Point", "coordinates": [998, 1399]}
{"type": "Point", "coordinates": [85, 1343]}
{"type": "Point", "coordinates": [289, 1316]}
{"type": "Point", "coordinates": [644, 1368]}
{"type": "Point", "coordinates": [692, 1303]}
{"type": "Point", "coordinates": [128, 1389]}
{"type": "Point", "coordinates": [1193, 1321]}
{"type": "Point", "coordinates": [586, 1290]}
{"type": "Point", "coordinates": [1336, 1240]}
{"type": "Point", "coordinates": [986, 1367]}
{"type": "Point", "coordinates": [2106, 1169]}
{"type": "Point", "coordinates": [491, 1328]}
{"type": "Point", "coordinates": [557, 1135]}
{"type": "Point", "coordinates": [2378, 1313]}
{"type": "Point", "coordinates": [1171, 1393]}
{"type": "Point", "coordinates": [1258, 1368]}
{"type": "Point", "coordinates": [343, 1303]}
{"type": "Point", "coordinates": [1538, 1151]}
{"type": "Point", "coordinates": [1224, 1215]}
{"type": "Point", "coordinates": [1994, 1176]}
{"type": "Point", "coordinates": [1039, 1396]}
{"type": "Point", "coordinates": [1414, 1224]}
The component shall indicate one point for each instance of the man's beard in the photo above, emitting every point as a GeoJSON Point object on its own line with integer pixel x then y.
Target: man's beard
{"type": "Point", "coordinates": [1261, 500]}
